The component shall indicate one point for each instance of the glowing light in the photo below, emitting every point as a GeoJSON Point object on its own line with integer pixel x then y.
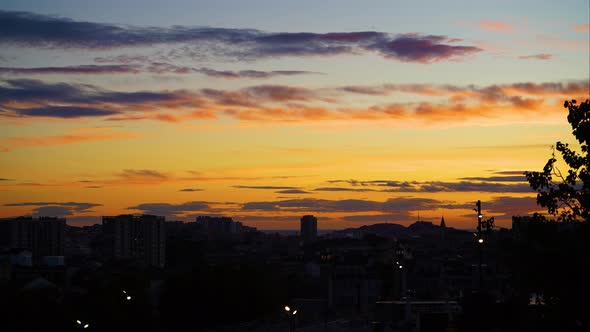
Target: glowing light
{"type": "Point", "coordinates": [287, 308]}
{"type": "Point", "coordinates": [400, 266]}
{"type": "Point", "coordinates": [294, 312]}
{"type": "Point", "coordinates": [79, 322]}
{"type": "Point", "coordinates": [128, 298]}
{"type": "Point", "coordinates": [480, 240]}
{"type": "Point", "coordinates": [480, 216]}
{"type": "Point", "coordinates": [86, 326]}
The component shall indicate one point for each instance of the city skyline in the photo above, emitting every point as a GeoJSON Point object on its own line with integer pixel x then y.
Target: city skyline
{"type": "Point", "coordinates": [357, 113]}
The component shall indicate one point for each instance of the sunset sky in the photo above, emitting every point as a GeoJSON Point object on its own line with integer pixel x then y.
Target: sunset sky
{"type": "Point", "coordinates": [358, 112]}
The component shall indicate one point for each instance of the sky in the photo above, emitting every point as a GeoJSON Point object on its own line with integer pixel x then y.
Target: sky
{"type": "Point", "coordinates": [358, 112]}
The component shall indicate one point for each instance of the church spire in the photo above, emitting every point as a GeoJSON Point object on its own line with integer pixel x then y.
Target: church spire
{"type": "Point", "coordinates": [442, 222]}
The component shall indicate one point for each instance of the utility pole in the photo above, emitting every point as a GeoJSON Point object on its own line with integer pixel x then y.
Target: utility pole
{"type": "Point", "coordinates": [480, 242]}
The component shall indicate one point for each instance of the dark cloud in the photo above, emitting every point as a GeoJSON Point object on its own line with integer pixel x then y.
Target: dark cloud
{"type": "Point", "coordinates": [512, 178]}
{"type": "Point", "coordinates": [293, 191]}
{"type": "Point", "coordinates": [266, 187]}
{"type": "Point", "coordinates": [344, 189]}
{"type": "Point", "coordinates": [512, 206]}
{"type": "Point", "coordinates": [76, 70]}
{"type": "Point", "coordinates": [143, 173]}
{"type": "Point", "coordinates": [167, 209]}
{"type": "Point", "coordinates": [58, 211]}
{"type": "Point", "coordinates": [346, 205]}
{"type": "Point", "coordinates": [33, 30]}
{"type": "Point", "coordinates": [93, 187]}
{"type": "Point", "coordinates": [416, 48]}
{"type": "Point", "coordinates": [509, 172]}
{"type": "Point", "coordinates": [26, 90]}
{"type": "Point", "coordinates": [3, 179]}
{"type": "Point", "coordinates": [57, 208]}
{"type": "Point", "coordinates": [191, 189]}
{"type": "Point", "coordinates": [441, 186]}
{"type": "Point", "coordinates": [65, 112]}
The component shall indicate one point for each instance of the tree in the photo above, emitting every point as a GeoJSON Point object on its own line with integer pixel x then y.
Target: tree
{"type": "Point", "coordinates": [567, 195]}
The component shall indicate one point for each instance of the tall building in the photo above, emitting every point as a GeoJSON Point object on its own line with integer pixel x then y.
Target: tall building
{"type": "Point", "coordinates": [43, 236]}
{"type": "Point", "coordinates": [309, 228]}
{"type": "Point", "coordinates": [142, 238]}
{"type": "Point", "coordinates": [219, 225]}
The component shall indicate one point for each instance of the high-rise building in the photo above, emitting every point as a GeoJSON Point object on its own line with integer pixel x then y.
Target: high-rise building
{"type": "Point", "coordinates": [142, 238]}
{"type": "Point", "coordinates": [309, 228]}
{"type": "Point", "coordinates": [43, 236]}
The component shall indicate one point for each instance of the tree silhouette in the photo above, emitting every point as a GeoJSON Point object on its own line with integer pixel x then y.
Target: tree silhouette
{"type": "Point", "coordinates": [566, 195]}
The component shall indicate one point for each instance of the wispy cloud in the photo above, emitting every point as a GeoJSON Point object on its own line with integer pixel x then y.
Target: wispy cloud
{"type": "Point", "coordinates": [541, 56]}
{"type": "Point", "coordinates": [33, 30]}
{"type": "Point", "coordinates": [25, 98]}
{"type": "Point", "coordinates": [582, 27]}
{"type": "Point", "coordinates": [76, 70]}
{"type": "Point", "coordinates": [168, 209]}
{"type": "Point", "coordinates": [191, 189]}
{"type": "Point", "coordinates": [497, 26]}
{"type": "Point", "coordinates": [18, 142]}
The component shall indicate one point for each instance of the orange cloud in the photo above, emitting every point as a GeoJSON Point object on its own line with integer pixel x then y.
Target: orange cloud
{"type": "Point", "coordinates": [495, 26]}
{"type": "Point", "coordinates": [19, 142]}
{"type": "Point", "coordinates": [582, 27]}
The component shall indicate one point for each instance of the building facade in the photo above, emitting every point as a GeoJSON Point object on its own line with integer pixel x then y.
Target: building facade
{"type": "Point", "coordinates": [142, 238]}
{"type": "Point", "coordinates": [309, 229]}
{"type": "Point", "coordinates": [43, 236]}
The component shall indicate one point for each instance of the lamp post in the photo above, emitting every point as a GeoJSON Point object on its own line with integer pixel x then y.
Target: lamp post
{"type": "Point", "coordinates": [291, 315]}
{"type": "Point", "coordinates": [480, 242]}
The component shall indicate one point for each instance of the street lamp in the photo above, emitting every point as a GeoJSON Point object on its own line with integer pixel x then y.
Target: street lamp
{"type": "Point", "coordinates": [291, 316]}
{"type": "Point", "coordinates": [84, 326]}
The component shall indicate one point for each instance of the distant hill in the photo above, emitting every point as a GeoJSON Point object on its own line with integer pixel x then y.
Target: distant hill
{"type": "Point", "coordinates": [419, 228]}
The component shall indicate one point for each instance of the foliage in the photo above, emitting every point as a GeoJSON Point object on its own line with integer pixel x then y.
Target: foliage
{"type": "Point", "coordinates": [567, 195]}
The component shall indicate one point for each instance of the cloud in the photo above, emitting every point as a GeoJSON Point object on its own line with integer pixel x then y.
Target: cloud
{"type": "Point", "coordinates": [52, 211]}
{"type": "Point", "coordinates": [513, 178]}
{"type": "Point", "coordinates": [511, 206]}
{"type": "Point", "coordinates": [496, 26]}
{"type": "Point", "coordinates": [10, 143]}
{"type": "Point", "coordinates": [265, 187]}
{"type": "Point", "coordinates": [167, 209]}
{"type": "Point", "coordinates": [3, 179]}
{"type": "Point", "coordinates": [73, 70]}
{"type": "Point", "coordinates": [65, 112]}
{"type": "Point", "coordinates": [33, 30]}
{"type": "Point", "coordinates": [191, 189]}
{"type": "Point", "coordinates": [57, 208]}
{"type": "Point", "coordinates": [142, 173]}
{"type": "Point", "coordinates": [582, 27]}
{"type": "Point", "coordinates": [346, 205]}
{"type": "Point", "coordinates": [423, 49]}
{"type": "Point", "coordinates": [343, 189]}
{"type": "Point", "coordinates": [292, 191]}
{"type": "Point", "coordinates": [251, 74]}
{"type": "Point", "coordinates": [541, 56]}
{"type": "Point", "coordinates": [35, 90]}
{"type": "Point", "coordinates": [442, 186]}
{"type": "Point", "coordinates": [25, 98]}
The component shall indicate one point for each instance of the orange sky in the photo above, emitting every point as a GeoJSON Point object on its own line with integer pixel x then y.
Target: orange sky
{"type": "Point", "coordinates": [266, 124]}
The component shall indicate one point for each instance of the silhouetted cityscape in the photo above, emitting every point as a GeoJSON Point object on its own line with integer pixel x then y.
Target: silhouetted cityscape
{"type": "Point", "coordinates": [147, 273]}
{"type": "Point", "coordinates": [300, 166]}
